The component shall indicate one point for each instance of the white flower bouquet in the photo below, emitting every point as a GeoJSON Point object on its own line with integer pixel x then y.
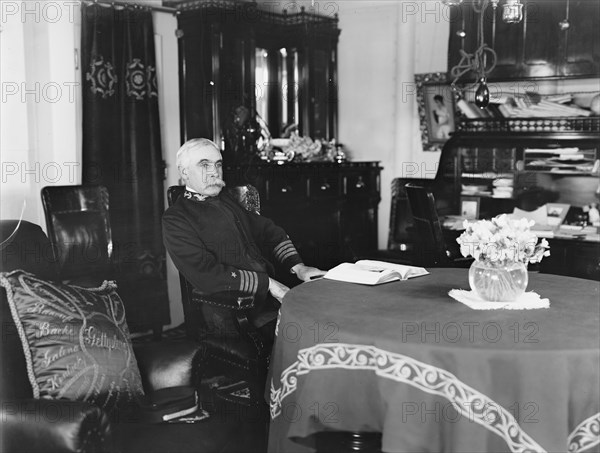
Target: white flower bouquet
{"type": "Point", "coordinates": [304, 147]}
{"type": "Point", "coordinates": [502, 241]}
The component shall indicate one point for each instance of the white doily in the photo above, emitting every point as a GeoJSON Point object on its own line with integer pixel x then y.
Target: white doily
{"type": "Point", "coordinates": [527, 301]}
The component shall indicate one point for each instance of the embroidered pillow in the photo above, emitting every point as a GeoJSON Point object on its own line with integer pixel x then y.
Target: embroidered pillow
{"type": "Point", "coordinates": [75, 340]}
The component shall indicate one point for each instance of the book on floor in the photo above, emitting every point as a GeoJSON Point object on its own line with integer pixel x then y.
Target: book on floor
{"type": "Point", "coordinates": [370, 272]}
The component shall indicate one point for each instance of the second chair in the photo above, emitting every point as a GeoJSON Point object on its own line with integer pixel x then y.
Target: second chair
{"type": "Point", "coordinates": [79, 228]}
{"type": "Point", "coordinates": [432, 248]}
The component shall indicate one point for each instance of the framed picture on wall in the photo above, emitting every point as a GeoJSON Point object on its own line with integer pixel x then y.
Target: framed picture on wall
{"type": "Point", "coordinates": [436, 107]}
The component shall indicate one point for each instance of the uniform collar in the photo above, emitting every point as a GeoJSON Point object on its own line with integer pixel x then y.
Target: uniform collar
{"type": "Point", "coordinates": [191, 194]}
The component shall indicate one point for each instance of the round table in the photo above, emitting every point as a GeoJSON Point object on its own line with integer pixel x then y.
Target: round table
{"type": "Point", "coordinates": [432, 374]}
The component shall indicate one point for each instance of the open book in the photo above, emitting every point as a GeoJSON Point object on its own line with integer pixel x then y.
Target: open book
{"type": "Point", "coordinates": [369, 272]}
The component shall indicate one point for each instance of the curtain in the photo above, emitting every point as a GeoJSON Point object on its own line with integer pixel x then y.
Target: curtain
{"type": "Point", "coordinates": [121, 145]}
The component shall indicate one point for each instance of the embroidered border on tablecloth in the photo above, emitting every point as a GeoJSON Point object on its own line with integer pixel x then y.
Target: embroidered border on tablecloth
{"type": "Point", "coordinates": [467, 401]}
{"type": "Point", "coordinates": [586, 435]}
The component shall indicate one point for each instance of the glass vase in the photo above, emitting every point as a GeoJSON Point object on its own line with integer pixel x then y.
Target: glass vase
{"type": "Point", "coordinates": [498, 283]}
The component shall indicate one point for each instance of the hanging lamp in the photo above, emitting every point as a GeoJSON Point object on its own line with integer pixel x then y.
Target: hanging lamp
{"type": "Point", "coordinates": [483, 60]}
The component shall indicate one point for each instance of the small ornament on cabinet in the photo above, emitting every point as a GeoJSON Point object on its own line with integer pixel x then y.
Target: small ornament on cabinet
{"type": "Point", "coordinates": [593, 215]}
{"type": "Point", "coordinates": [340, 155]}
{"type": "Point", "coordinates": [244, 136]}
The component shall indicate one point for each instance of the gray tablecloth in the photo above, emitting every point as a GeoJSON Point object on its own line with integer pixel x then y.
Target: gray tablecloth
{"type": "Point", "coordinates": [431, 374]}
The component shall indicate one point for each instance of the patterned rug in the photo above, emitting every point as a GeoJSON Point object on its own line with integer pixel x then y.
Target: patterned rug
{"type": "Point", "coordinates": [232, 391]}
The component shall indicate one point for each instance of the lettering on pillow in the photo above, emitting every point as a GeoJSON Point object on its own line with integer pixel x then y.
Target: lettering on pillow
{"type": "Point", "coordinates": [75, 340]}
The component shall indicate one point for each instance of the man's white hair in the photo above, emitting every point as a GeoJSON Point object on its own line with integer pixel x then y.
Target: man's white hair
{"type": "Point", "coordinates": [183, 153]}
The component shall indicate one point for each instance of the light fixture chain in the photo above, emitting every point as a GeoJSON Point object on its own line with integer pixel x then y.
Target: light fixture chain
{"type": "Point", "coordinates": [478, 60]}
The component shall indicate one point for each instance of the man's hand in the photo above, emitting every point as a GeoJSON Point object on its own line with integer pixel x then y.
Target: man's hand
{"type": "Point", "coordinates": [277, 289]}
{"type": "Point", "coordinates": [305, 273]}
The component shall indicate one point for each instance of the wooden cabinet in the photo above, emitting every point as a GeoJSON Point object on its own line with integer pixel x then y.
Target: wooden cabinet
{"type": "Point", "coordinates": [523, 150]}
{"type": "Point", "coordinates": [218, 44]}
{"type": "Point", "coordinates": [527, 154]}
{"type": "Point", "coordinates": [329, 210]}
{"type": "Point", "coordinates": [215, 70]}
{"type": "Point", "coordinates": [535, 47]}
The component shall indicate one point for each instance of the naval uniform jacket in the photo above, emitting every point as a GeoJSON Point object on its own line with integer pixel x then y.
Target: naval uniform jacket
{"type": "Point", "coordinates": [220, 246]}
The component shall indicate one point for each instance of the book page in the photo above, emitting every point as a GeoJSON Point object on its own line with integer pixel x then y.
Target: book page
{"type": "Point", "coordinates": [405, 272]}
{"type": "Point", "coordinates": [372, 272]}
{"type": "Point", "coordinates": [364, 274]}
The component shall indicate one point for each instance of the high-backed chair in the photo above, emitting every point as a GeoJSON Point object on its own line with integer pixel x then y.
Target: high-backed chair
{"type": "Point", "coordinates": [79, 227]}
{"type": "Point", "coordinates": [244, 353]}
{"type": "Point", "coordinates": [432, 248]}
{"type": "Point", "coordinates": [400, 247]}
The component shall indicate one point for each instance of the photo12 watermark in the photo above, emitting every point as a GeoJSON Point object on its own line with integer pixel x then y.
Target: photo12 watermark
{"type": "Point", "coordinates": [472, 332]}
{"type": "Point", "coordinates": [38, 172]}
{"type": "Point", "coordinates": [38, 92]}
{"type": "Point", "coordinates": [475, 411]}
{"type": "Point", "coordinates": [38, 11]}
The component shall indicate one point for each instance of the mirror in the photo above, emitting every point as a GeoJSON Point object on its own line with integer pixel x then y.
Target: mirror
{"type": "Point", "coordinates": [261, 77]}
{"type": "Point", "coordinates": [288, 73]}
{"type": "Point", "coordinates": [277, 88]}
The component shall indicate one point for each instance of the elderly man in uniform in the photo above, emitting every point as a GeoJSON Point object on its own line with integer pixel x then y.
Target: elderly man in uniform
{"type": "Point", "coordinates": [219, 246]}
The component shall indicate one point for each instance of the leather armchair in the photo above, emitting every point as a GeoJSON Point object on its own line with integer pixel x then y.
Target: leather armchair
{"type": "Point", "coordinates": [79, 228]}
{"type": "Point", "coordinates": [44, 425]}
{"type": "Point", "coordinates": [78, 224]}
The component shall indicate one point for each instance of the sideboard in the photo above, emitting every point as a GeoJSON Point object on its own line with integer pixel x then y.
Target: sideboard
{"type": "Point", "coordinates": [329, 210]}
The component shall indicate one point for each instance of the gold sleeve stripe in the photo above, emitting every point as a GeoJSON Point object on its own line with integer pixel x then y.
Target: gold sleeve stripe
{"type": "Point", "coordinates": [284, 250]}
{"type": "Point", "coordinates": [244, 281]}
{"type": "Point", "coordinates": [254, 285]}
{"type": "Point", "coordinates": [287, 254]}
{"type": "Point", "coordinates": [283, 244]}
{"type": "Point", "coordinates": [248, 281]}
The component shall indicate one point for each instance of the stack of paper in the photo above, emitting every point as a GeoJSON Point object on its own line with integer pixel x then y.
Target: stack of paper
{"type": "Point", "coordinates": [539, 216]}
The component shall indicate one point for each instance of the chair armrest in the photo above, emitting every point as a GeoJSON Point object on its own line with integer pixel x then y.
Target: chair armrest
{"type": "Point", "coordinates": [237, 305]}
{"type": "Point", "coordinates": [232, 300]}
{"type": "Point", "coordinates": [168, 363]}
{"type": "Point", "coordinates": [237, 302]}
{"type": "Point", "coordinates": [43, 425]}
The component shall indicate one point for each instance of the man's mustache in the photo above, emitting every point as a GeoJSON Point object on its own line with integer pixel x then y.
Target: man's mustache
{"type": "Point", "coordinates": [217, 182]}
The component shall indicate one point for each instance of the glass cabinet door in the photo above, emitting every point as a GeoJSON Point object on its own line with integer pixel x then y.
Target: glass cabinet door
{"type": "Point", "coordinates": [277, 88]}
{"type": "Point", "coordinates": [486, 173]}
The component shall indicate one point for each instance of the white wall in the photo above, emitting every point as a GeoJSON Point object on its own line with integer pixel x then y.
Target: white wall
{"type": "Point", "coordinates": [382, 45]}
{"type": "Point", "coordinates": [40, 121]}
{"type": "Point", "coordinates": [165, 25]}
